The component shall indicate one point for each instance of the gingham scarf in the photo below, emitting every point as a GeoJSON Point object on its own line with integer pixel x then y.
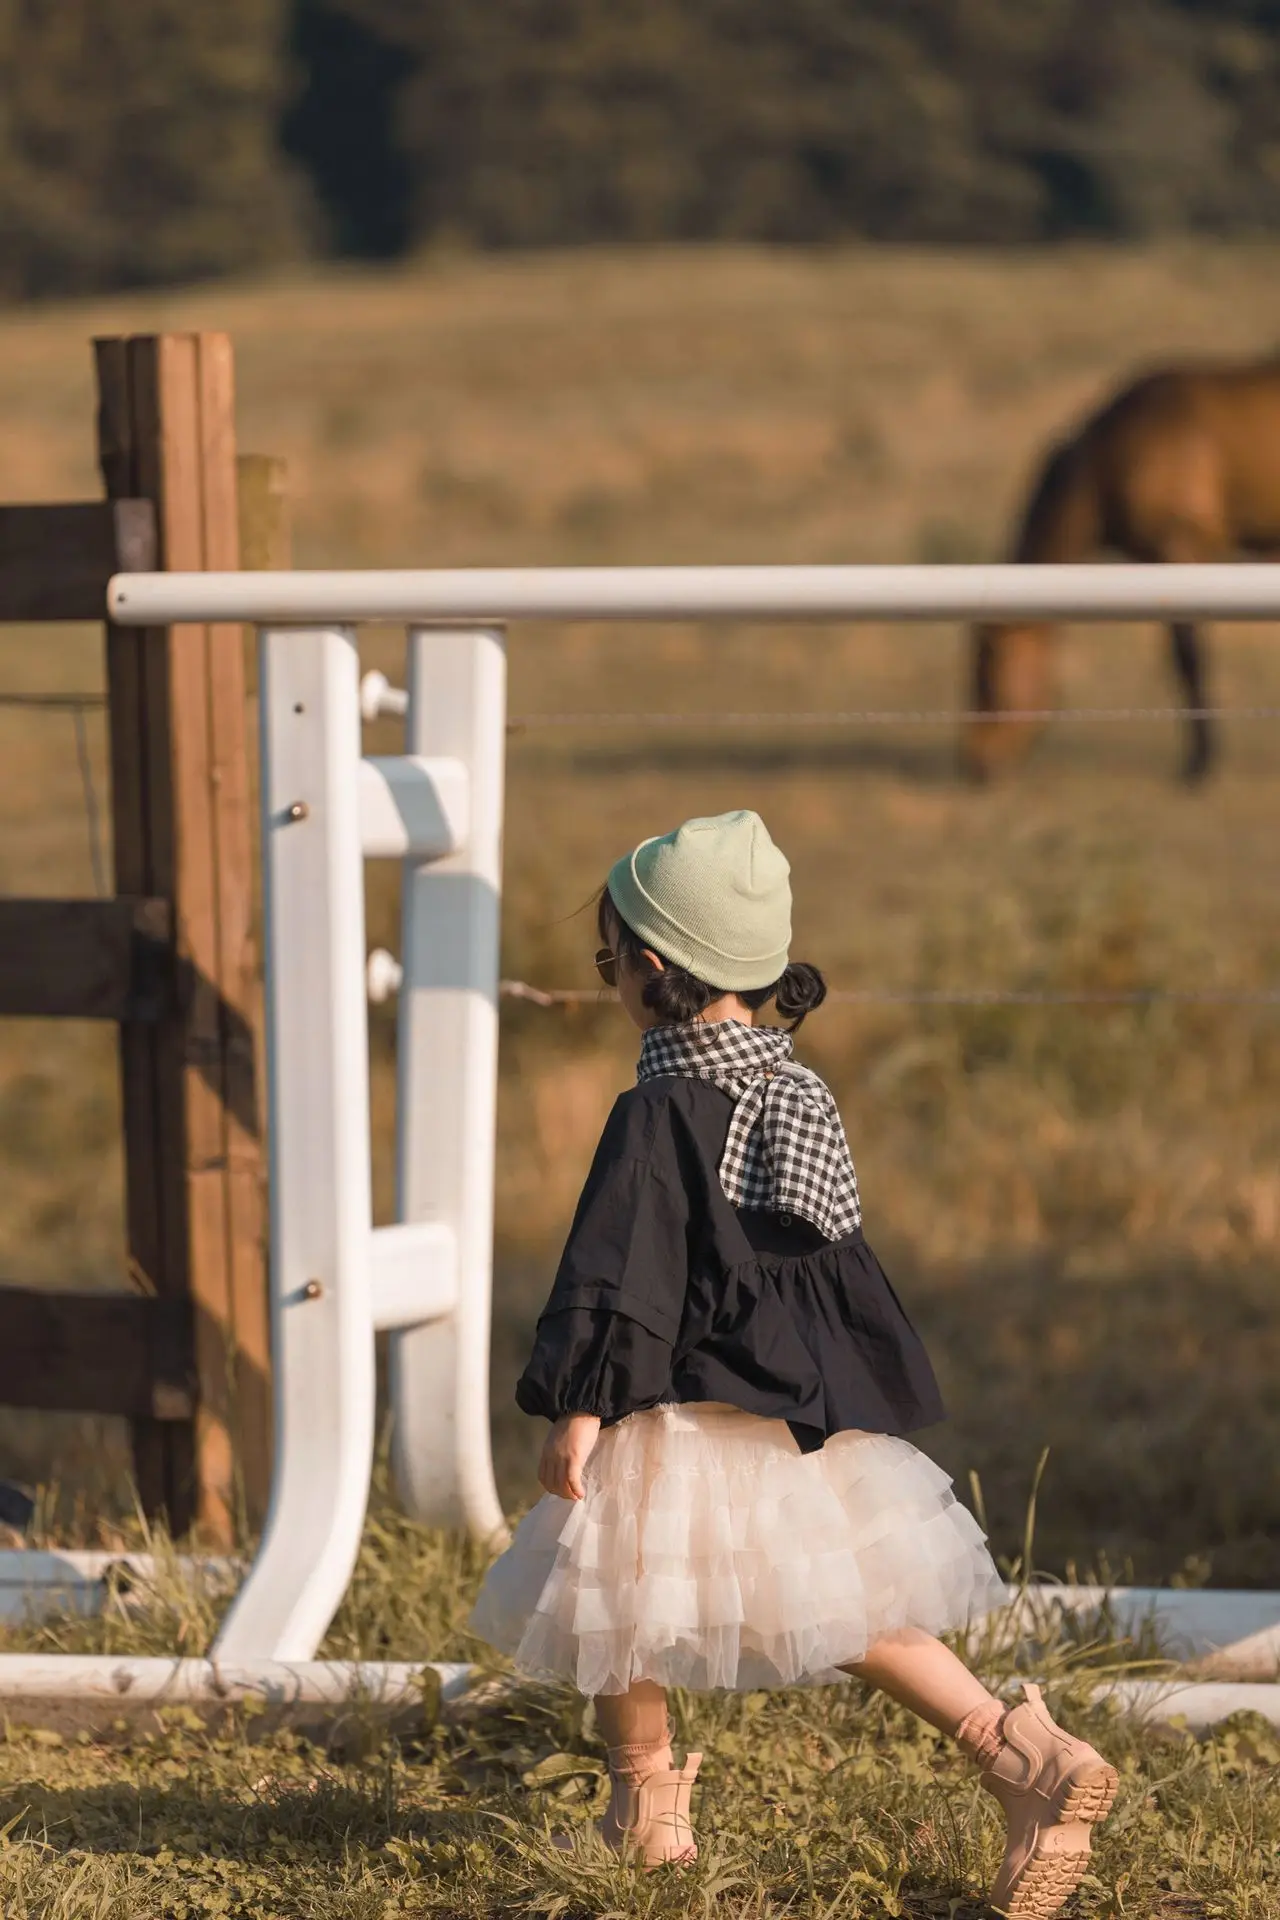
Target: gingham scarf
{"type": "Point", "coordinates": [786, 1151]}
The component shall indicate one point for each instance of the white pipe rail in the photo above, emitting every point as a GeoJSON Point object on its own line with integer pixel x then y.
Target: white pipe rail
{"type": "Point", "coordinates": [1198, 1705]}
{"type": "Point", "coordinates": [91, 1691]}
{"type": "Point", "coordinates": [1228, 1642]}
{"type": "Point", "coordinates": [1214, 1632]}
{"type": "Point", "coordinates": [40, 1583]}
{"type": "Point", "coordinates": [158, 1681]}
{"type": "Point", "coordinates": [68, 1691]}
{"type": "Point", "coordinates": [485, 596]}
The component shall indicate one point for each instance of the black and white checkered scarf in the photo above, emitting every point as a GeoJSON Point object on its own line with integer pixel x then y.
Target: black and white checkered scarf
{"type": "Point", "coordinates": [786, 1151]}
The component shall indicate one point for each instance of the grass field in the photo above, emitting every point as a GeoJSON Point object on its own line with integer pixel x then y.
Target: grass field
{"type": "Point", "coordinates": [1080, 1206]}
{"type": "Point", "coordinates": [823, 1805]}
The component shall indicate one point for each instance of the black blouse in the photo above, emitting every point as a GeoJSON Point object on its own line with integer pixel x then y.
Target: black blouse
{"type": "Point", "coordinates": [667, 1292]}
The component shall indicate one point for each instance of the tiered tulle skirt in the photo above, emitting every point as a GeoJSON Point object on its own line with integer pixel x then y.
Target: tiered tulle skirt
{"type": "Point", "coordinates": [709, 1552]}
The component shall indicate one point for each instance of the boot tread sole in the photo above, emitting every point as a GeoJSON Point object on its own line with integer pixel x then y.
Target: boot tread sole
{"type": "Point", "coordinates": [1048, 1879]}
{"type": "Point", "coordinates": [1091, 1798]}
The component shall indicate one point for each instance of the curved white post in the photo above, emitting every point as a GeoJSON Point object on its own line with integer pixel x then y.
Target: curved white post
{"type": "Point", "coordinates": [318, 1080]}
{"type": "Point", "coordinates": [447, 1084]}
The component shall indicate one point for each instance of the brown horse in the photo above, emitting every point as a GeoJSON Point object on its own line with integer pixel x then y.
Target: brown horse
{"type": "Point", "coordinates": [1181, 465]}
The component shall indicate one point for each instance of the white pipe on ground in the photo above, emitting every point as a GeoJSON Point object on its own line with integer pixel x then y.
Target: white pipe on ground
{"type": "Point", "coordinates": [116, 1680]}
{"type": "Point", "coordinates": [69, 1692]}
{"type": "Point", "coordinates": [1199, 1704]}
{"type": "Point", "coordinates": [1225, 1634]}
{"type": "Point", "coordinates": [484, 596]}
{"type": "Point", "coordinates": [36, 1582]}
{"type": "Point", "coordinates": [97, 1690]}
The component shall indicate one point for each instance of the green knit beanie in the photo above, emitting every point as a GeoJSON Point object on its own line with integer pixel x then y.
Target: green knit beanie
{"type": "Point", "coordinates": [713, 897]}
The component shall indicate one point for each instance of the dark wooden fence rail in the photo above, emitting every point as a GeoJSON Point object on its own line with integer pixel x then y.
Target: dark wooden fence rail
{"type": "Point", "coordinates": [184, 1354]}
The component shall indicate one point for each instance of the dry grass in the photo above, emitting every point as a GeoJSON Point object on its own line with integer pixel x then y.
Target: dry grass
{"type": "Point", "coordinates": [1081, 1207]}
{"type": "Point", "coordinates": [820, 1805]}
{"type": "Point", "coordinates": [823, 1802]}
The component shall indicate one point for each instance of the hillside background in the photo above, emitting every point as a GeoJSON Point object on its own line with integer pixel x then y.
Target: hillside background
{"type": "Point", "coordinates": [147, 141]}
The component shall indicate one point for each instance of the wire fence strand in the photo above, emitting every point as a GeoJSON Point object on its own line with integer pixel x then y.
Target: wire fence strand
{"type": "Point", "coordinates": [977, 997]}
{"type": "Point", "coordinates": [841, 716]}
{"type": "Point", "coordinates": [957, 997]}
{"type": "Point", "coordinates": [92, 811]}
{"type": "Point", "coordinates": [54, 702]}
{"type": "Point", "coordinates": [889, 716]}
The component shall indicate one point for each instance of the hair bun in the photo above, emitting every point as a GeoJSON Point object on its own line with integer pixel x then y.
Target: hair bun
{"type": "Point", "coordinates": [799, 991]}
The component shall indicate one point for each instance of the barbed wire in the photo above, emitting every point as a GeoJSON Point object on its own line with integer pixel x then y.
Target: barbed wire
{"type": "Point", "coordinates": [54, 702]}
{"type": "Point", "coordinates": [546, 997]}
{"type": "Point", "coordinates": [889, 716]}
{"type": "Point", "coordinates": [92, 811]}
{"type": "Point", "coordinates": [943, 997]}
{"type": "Point", "coordinates": [77, 705]}
{"type": "Point", "coordinates": [550, 997]}
{"type": "Point", "coordinates": [846, 716]}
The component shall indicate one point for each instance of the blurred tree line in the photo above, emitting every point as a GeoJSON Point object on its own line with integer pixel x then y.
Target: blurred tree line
{"type": "Point", "coordinates": [149, 140]}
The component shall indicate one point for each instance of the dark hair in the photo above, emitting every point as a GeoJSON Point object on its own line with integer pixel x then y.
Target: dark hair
{"type": "Point", "coordinates": [678, 996]}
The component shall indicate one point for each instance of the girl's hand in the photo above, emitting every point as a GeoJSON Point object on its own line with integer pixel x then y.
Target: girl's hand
{"type": "Point", "coordinates": [568, 1446]}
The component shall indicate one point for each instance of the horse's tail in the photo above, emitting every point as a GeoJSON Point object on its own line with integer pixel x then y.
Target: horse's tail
{"type": "Point", "coordinates": [1062, 519]}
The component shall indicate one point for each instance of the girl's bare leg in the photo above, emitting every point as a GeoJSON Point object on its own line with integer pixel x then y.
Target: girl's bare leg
{"type": "Point", "coordinates": [1053, 1788]}
{"type": "Point", "coordinates": [922, 1674]}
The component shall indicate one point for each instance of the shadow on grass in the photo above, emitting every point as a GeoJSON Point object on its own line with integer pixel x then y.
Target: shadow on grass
{"type": "Point", "coordinates": [317, 1812]}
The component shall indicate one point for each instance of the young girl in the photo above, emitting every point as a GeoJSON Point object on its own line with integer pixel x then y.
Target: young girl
{"type": "Point", "coordinates": [728, 1374]}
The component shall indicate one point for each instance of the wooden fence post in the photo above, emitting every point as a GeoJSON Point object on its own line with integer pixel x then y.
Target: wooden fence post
{"type": "Point", "coordinates": [181, 806]}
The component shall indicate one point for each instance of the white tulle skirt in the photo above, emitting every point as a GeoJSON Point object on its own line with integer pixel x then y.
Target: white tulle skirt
{"type": "Point", "coordinates": [708, 1551]}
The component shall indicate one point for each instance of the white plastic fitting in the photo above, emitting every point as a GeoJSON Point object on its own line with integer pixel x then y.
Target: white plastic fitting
{"type": "Point", "coordinates": [378, 696]}
{"type": "Point", "coordinates": [383, 974]}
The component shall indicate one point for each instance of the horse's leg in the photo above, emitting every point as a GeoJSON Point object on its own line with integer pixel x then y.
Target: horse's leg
{"type": "Point", "coordinates": [1198, 531]}
{"type": "Point", "coordinates": [1009, 673]}
{"type": "Point", "coordinates": [1188, 662]}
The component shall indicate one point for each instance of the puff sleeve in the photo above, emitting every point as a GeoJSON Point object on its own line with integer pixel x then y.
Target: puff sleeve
{"type": "Point", "coordinates": [605, 1338]}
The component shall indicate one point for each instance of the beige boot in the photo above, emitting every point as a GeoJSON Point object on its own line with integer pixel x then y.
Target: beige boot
{"type": "Point", "coordinates": [1053, 1789]}
{"type": "Point", "coordinates": [648, 1811]}
{"type": "Point", "coordinates": [649, 1815]}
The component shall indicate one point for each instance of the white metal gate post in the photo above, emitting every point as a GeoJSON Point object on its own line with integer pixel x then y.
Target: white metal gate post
{"type": "Point", "coordinates": [318, 1079]}
{"type": "Point", "coordinates": [447, 1084]}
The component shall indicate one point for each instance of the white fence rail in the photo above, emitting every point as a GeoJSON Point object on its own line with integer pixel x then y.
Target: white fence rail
{"type": "Point", "coordinates": [487, 595]}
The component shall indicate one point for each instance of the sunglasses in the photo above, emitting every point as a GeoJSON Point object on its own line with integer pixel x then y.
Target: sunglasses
{"type": "Point", "coordinates": [607, 966]}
